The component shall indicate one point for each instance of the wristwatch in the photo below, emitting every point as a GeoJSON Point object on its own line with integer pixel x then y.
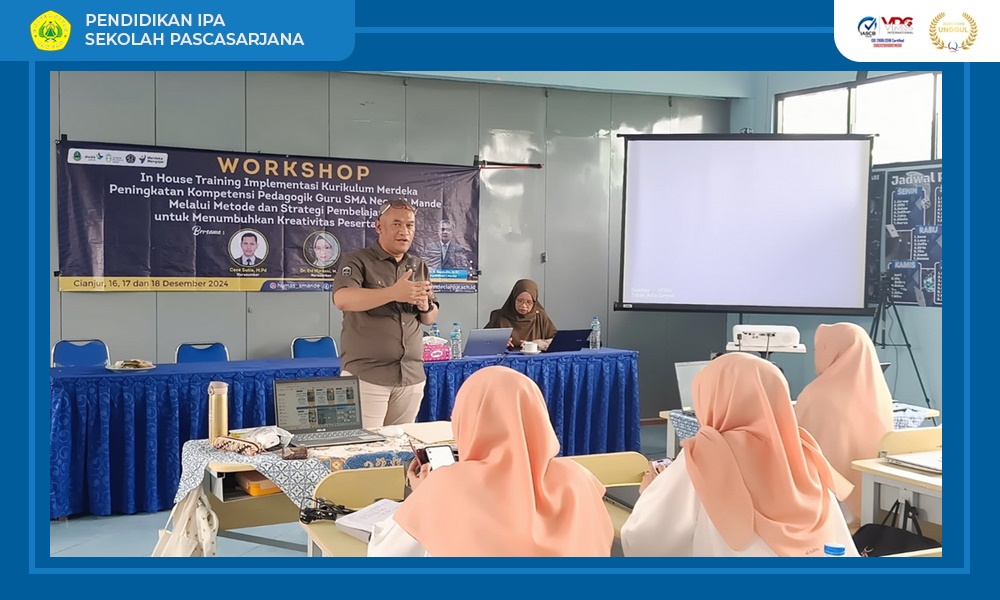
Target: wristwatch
{"type": "Point", "coordinates": [430, 307]}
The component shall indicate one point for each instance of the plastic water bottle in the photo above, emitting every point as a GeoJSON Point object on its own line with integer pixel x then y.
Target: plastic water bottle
{"type": "Point", "coordinates": [435, 330]}
{"type": "Point", "coordinates": [834, 550]}
{"type": "Point", "coordinates": [456, 341]}
{"type": "Point", "coordinates": [595, 334]}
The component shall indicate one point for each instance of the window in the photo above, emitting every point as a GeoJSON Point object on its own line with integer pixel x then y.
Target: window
{"type": "Point", "coordinates": [903, 110]}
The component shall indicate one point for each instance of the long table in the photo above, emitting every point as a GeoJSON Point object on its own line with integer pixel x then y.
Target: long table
{"type": "Point", "coordinates": [116, 438]}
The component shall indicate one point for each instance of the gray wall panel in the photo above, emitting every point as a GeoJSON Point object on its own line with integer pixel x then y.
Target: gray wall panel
{"type": "Point", "coordinates": [125, 321]}
{"type": "Point", "coordinates": [112, 107]}
{"type": "Point", "coordinates": [576, 206]}
{"type": "Point", "coordinates": [108, 106]}
{"type": "Point", "coordinates": [273, 320]}
{"type": "Point", "coordinates": [288, 113]}
{"type": "Point", "coordinates": [201, 110]}
{"type": "Point", "coordinates": [191, 317]}
{"type": "Point", "coordinates": [367, 117]}
{"type": "Point", "coordinates": [512, 201]}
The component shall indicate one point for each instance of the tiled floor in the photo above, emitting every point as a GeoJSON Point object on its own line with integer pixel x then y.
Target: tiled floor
{"type": "Point", "coordinates": [136, 535]}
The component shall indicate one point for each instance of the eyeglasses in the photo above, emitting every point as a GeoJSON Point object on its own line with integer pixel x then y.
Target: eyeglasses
{"type": "Point", "coordinates": [395, 204]}
{"type": "Point", "coordinates": [524, 302]}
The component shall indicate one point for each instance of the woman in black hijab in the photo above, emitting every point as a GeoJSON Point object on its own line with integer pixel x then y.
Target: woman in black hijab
{"type": "Point", "coordinates": [525, 315]}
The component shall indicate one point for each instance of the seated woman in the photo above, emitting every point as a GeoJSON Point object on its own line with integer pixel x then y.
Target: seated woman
{"type": "Point", "coordinates": [526, 315]}
{"type": "Point", "coordinates": [506, 495]}
{"type": "Point", "coordinates": [848, 407]}
{"type": "Point", "coordinates": [751, 482]}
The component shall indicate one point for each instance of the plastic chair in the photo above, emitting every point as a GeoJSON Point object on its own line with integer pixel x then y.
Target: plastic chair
{"type": "Point", "coordinates": [615, 468]}
{"type": "Point", "coordinates": [201, 352]}
{"type": "Point", "coordinates": [357, 488]}
{"type": "Point", "coordinates": [321, 346]}
{"type": "Point", "coordinates": [80, 353]}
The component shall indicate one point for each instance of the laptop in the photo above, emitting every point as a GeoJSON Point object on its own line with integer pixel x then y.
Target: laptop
{"type": "Point", "coordinates": [487, 342]}
{"type": "Point", "coordinates": [685, 377]}
{"type": "Point", "coordinates": [624, 496]}
{"type": "Point", "coordinates": [324, 411]}
{"type": "Point", "coordinates": [924, 461]}
{"type": "Point", "coordinates": [570, 340]}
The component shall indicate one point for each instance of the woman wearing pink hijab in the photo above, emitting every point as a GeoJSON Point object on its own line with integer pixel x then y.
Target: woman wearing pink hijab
{"type": "Point", "coordinates": [749, 483]}
{"type": "Point", "coordinates": [848, 407]}
{"type": "Point", "coordinates": [507, 495]}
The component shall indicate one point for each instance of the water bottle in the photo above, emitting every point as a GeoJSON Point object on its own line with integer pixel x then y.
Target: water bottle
{"type": "Point", "coordinates": [834, 550]}
{"type": "Point", "coordinates": [595, 334]}
{"type": "Point", "coordinates": [435, 330]}
{"type": "Point", "coordinates": [456, 341]}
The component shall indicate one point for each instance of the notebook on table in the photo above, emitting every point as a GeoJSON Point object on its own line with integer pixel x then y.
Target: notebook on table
{"type": "Point", "coordinates": [487, 342]}
{"type": "Point", "coordinates": [923, 461]}
{"type": "Point", "coordinates": [570, 340]}
{"type": "Point", "coordinates": [323, 411]}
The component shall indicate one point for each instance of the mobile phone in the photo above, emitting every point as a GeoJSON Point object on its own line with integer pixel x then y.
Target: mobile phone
{"type": "Point", "coordinates": [439, 456]}
{"type": "Point", "coordinates": [419, 454]}
{"type": "Point", "coordinates": [658, 465]}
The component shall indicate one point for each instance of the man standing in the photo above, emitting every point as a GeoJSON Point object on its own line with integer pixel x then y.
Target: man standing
{"type": "Point", "coordinates": [449, 254]}
{"type": "Point", "coordinates": [386, 295]}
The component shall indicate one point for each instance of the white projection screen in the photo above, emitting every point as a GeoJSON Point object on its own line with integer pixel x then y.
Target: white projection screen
{"type": "Point", "coordinates": [746, 223]}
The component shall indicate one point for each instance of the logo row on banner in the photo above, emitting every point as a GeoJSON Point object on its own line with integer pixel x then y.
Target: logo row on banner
{"type": "Point", "coordinates": [917, 31]}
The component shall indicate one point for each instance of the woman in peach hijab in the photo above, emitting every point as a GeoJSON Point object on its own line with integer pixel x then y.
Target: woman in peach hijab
{"type": "Point", "coordinates": [848, 407]}
{"type": "Point", "coordinates": [749, 483]}
{"type": "Point", "coordinates": [507, 495]}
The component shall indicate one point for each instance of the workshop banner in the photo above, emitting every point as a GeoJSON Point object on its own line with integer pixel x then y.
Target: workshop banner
{"type": "Point", "coordinates": [913, 233]}
{"type": "Point", "coordinates": [147, 218]}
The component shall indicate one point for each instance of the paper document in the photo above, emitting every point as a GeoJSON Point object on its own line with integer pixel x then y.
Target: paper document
{"type": "Point", "coordinates": [430, 433]}
{"type": "Point", "coordinates": [360, 524]}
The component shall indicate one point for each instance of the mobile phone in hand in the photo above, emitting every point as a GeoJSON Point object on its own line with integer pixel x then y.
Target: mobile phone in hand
{"type": "Point", "coordinates": [657, 466]}
{"type": "Point", "coordinates": [440, 456]}
{"type": "Point", "coordinates": [419, 454]}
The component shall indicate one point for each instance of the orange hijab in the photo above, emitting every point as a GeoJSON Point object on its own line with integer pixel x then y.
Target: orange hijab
{"type": "Point", "coordinates": [506, 496]}
{"type": "Point", "coordinates": [753, 468]}
{"type": "Point", "coordinates": [848, 407]}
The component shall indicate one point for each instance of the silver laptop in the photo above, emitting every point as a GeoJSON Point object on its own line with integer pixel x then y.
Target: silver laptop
{"type": "Point", "coordinates": [487, 342]}
{"type": "Point", "coordinates": [685, 377]}
{"type": "Point", "coordinates": [324, 411]}
{"type": "Point", "coordinates": [924, 461]}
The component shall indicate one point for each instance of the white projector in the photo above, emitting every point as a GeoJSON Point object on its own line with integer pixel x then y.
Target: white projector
{"type": "Point", "coordinates": [768, 338]}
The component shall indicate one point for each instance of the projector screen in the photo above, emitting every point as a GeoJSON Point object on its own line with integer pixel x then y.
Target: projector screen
{"type": "Point", "coordinates": [746, 223]}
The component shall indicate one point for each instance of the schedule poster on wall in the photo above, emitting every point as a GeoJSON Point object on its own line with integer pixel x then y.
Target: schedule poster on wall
{"type": "Point", "coordinates": [149, 218]}
{"type": "Point", "coordinates": [913, 229]}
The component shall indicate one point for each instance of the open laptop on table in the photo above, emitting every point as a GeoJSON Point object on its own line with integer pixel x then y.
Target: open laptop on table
{"type": "Point", "coordinates": [324, 411]}
{"type": "Point", "coordinates": [685, 377]}
{"type": "Point", "coordinates": [487, 342]}
{"type": "Point", "coordinates": [570, 340]}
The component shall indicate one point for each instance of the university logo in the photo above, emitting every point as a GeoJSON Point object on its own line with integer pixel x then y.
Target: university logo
{"type": "Point", "coordinates": [50, 31]}
{"type": "Point", "coordinates": [953, 35]}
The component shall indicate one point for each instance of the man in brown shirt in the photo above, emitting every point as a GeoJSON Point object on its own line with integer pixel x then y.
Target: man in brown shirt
{"type": "Point", "coordinates": [385, 294]}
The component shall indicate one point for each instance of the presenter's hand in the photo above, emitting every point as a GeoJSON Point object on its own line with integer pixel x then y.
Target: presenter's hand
{"type": "Point", "coordinates": [416, 474]}
{"type": "Point", "coordinates": [411, 292]}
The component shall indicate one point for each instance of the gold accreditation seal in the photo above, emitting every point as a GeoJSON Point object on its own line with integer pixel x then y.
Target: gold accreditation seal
{"type": "Point", "coordinates": [953, 35]}
{"type": "Point", "coordinates": [50, 31]}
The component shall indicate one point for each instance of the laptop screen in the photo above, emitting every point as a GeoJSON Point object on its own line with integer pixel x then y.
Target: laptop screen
{"type": "Point", "coordinates": [685, 377]}
{"type": "Point", "coordinates": [320, 404]}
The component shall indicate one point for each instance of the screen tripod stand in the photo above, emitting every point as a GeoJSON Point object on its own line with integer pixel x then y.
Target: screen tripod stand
{"type": "Point", "coordinates": [885, 302]}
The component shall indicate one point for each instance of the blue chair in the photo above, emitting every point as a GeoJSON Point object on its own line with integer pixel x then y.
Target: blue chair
{"type": "Point", "coordinates": [320, 346]}
{"type": "Point", "coordinates": [201, 352]}
{"type": "Point", "coordinates": [80, 353]}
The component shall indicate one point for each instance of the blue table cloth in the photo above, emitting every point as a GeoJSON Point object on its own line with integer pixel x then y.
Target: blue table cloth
{"type": "Point", "coordinates": [116, 438]}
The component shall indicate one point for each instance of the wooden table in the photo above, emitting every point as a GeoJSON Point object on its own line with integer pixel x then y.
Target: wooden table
{"type": "Point", "coordinates": [883, 483]}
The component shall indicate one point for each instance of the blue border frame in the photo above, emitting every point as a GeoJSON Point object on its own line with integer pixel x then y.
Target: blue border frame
{"type": "Point", "coordinates": [384, 43]}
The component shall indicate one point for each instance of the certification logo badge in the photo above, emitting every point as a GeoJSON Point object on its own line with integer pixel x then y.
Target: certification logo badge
{"type": "Point", "coordinates": [953, 34]}
{"type": "Point", "coordinates": [50, 31]}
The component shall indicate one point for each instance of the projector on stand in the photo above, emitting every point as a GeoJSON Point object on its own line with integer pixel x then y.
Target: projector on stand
{"type": "Point", "coordinates": [765, 338]}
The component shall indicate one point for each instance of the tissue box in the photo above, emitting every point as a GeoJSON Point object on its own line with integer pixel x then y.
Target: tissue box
{"type": "Point", "coordinates": [433, 352]}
